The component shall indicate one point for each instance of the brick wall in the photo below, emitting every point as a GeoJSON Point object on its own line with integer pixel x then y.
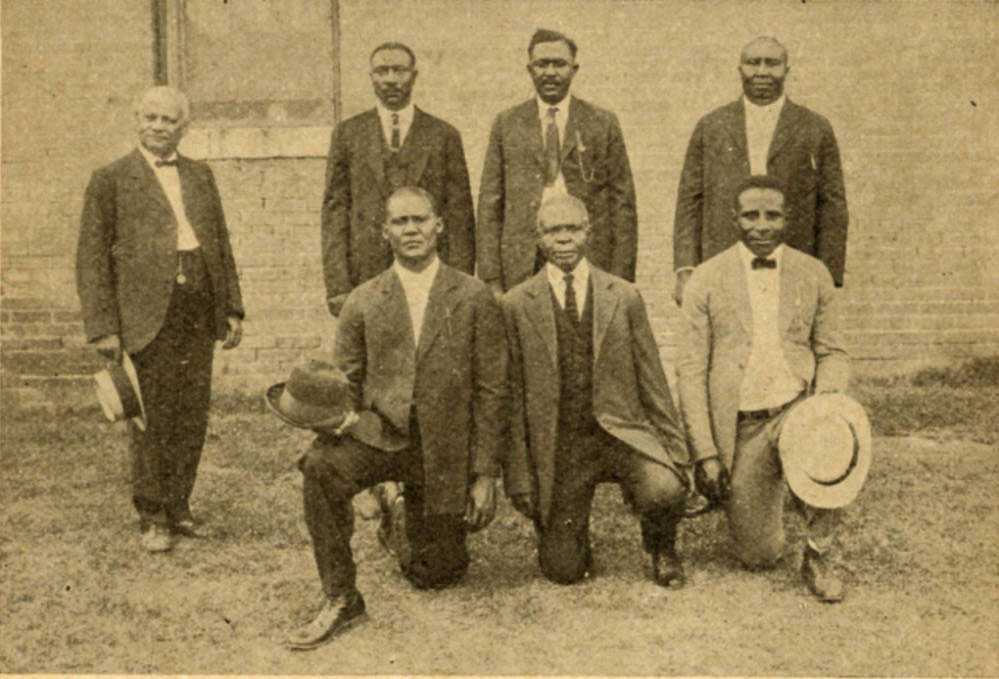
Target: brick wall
{"type": "Point", "coordinates": [909, 88]}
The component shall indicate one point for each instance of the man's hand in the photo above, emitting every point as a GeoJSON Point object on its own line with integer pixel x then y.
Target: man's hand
{"type": "Point", "coordinates": [481, 503]}
{"type": "Point", "coordinates": [711, 479]}
{"type": "Point", "coordinates": [524, 503]}
{"type": "Point", "coordinates": [109, 346]}
{"type": "Point", "coordinates": [234, 335]}
{"type": "Point", "coordinates": [681, 282]}
{"type": "Point", "coordinates": [335, 304]}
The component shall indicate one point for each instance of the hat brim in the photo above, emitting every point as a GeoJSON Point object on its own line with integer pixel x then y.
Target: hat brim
{"type": "Point", "coordinates": [133, 377]}
{"type": "Point", "coordinates": [109, 384]}
{"type": "Point", "coordinates": [794, 443]}
{"type": "Point", "coordinates": [272, 398]}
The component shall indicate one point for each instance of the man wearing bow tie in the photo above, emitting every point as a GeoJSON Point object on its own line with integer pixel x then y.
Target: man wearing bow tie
{"type": "Point", "coordinates": [762, 331]}
{"type": "Point", "coordinates": [156, 278]}
{"type": "Point", "coordinates": [553, 144]}
{"type": "Point", "coordinates": [761, 133]}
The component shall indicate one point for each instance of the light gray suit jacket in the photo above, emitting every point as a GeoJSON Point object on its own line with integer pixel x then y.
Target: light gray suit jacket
{"type": "Point", "coordinates": [718, 334]}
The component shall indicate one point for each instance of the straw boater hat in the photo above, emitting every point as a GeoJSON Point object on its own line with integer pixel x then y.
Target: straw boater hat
{"type": "Point", "coordinates": [825, 450]}
{"type": "Point", "coordinates": [118, 392]}
{"type": "Point", "coordinates": [319, 396]}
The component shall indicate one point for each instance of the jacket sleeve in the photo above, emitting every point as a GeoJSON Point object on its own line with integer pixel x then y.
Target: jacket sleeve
{"type": "Point", "coordinates": [653, 389]}
{"type": "Point", "coordinates": [234, 296]}
{"type": "Point", "coordinates": [517, 475]}
{"type": "Point", "coordinates": [349, 348]}
{"type": "Point", "coordinates": [623, 209]}
{"type": "Point", "coordinates": [832, 362]}
{"type": "Point", "coordinates": [692, 367]}
{"type": "Point", "coordinates": [335, 218]}
{"type": "Point", "coordinates": [490, 397]}
{"type": "Point", "coordinates": [831, 217]}
{"type": "Point", "coordinates": [95, 277]}
{"type": "Point", "coordinates": [489, 229]}
{"type": "Point", "coordinates": [690, 204]}
{"type": "Point", "coordinates": [456, 208]}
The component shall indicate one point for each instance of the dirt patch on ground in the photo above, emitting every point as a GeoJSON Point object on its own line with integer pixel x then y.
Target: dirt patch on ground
{"type": "Point", "coordinates": [919, 551]}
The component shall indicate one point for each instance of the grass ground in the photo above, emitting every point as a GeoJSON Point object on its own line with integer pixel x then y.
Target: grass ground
{"type": "Point", "coordinates": [919, 551]}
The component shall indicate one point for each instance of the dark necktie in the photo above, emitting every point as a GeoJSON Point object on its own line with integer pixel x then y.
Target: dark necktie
{"type": "Point", "coordinates": [553, 153]}
{"type": "Point", "coordinates": [764, 263]}
{"type": "Point", "coordinates": [570, 299]}
{"type": "Point", "coordinates": [396, 143]}
{"type": "Point", "coordinates": [166, 163]}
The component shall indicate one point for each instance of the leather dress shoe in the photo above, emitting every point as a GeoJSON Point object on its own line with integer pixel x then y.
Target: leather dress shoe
{"type": "Point", "coordinates": [667, 569]}
{"type": "Point", "coordinates": [190, 527]}
{"type": "Point", "coordinates": [818, 576]}
{"type": "Point", "coordinates": [156, 538]}
{"type": "Point", "coordinates": [336, 616]}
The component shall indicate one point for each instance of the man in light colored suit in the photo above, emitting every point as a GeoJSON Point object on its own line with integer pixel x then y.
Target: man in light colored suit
{"type": "Point", "coordinates": [763, 132]}
{"type": "Point", "coordinates": [373, 153]}
{"type": "Point", "coordinates": [553, 143]}
{"type": "Point", "coordinates": [762, 331]}
{"type": "Point", "coordinates": [590, 404]}
{"type": "Point", "coordinates": [156, 279]}
{"type": "Point", "coordinates": [424, 347]}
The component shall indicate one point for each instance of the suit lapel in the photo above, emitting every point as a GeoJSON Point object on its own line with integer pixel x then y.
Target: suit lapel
{"type": "Point", "coordinates": [736, 127]}
{"type": "Point", "coordinates": [539, 310]}
{"type": "Point", "coordinates": [437, 315]}
{"type": "Point", "coordinates": [373, 149]}
{"type": "Point", "coordinates": [605, 304]}
{"type": "Point", "coordinates": [190, 189]}
{"type": "Point", "coordinates": [787, 121]}
{"type": "Point", "coordinates": [529, 130]}
{"type": "Point", "coordinates": [573, 127]}
{"type": "Point", "coordinates": [148, 184]}
{"type": "Point", "coordinates": [738, 282]}
{"type": "Point", "coordinates": [415, 150]}
{"type": "Point", "coordinates": [391, 313]}
{"type": "Point", "coordinates": [788, 305]}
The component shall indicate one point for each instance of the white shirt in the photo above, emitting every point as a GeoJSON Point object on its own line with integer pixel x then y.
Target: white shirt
{"type": "Point", "coordinates": [416, 286]}
{"type": "Point", "coordinates": [761, 121]}
{"type": "Point", "coordinates": [561, 120]}
{"type": "Point", "coordinates": [169, 180]}
{"type": "Point", "coordinates": [767, 381]}
{"type": "Point", "coordinates": [405, 121]}
{"type": "Point", "coordinates": [580, 283]}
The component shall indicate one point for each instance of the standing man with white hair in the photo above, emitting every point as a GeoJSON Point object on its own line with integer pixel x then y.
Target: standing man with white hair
{"type": "Point", "coordinates": [157, 282]}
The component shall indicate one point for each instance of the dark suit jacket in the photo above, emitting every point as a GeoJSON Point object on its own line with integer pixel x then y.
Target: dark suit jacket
{"type": "Point", "coordinates": [803, 155]}
{"type": "Point", "coordinates": [126, 258]}
{"type": "Point", "coordinates": [356, 191]}
{"type": "Point", "coordinates": [631, 398]}
{"type": "Point", "coordinates": [718, 334]}
{"type": "Point", "coordinates": [596, 170]}
{"type": "Point", "coordinates": [454, 377]}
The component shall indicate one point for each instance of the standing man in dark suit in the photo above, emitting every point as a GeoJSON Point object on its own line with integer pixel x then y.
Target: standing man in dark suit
{"type": "Point", "coordinates": [590, 404]}
{"type": "Point", "coordinates": [425, 349]}
{"type": "Point", "coordinates": [762, 133]}
{"type": "Point", "coordinates": [762, 331]}
{"type": "Point", "coordinates": [552, 144]}
{"type": "Point", "coordinates": [376, 152]}
{"type": "Point", "coordinates": [156, 279]}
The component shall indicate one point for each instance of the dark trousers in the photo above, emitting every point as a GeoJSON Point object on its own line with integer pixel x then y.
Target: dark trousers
{"type": "Point", "coordinates": [175, 376]}
{"type": "Point", "coordinates": [652, 489]}
{"type": "Point", "coordinates": [337, 469]}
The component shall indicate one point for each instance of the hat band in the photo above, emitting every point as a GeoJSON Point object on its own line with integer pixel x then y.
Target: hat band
{"type": "Point", "coordinates": [849, 468]}
{"type": "Point", "coordinates": [126, 393]}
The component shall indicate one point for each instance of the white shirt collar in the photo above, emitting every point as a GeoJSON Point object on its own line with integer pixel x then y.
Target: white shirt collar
{"type": "Point", "coordinates": [422, 278]}
{"type": "Point", "coordinates": [580, 276]}
{"type": "Point", "coordinates": [151, 158]}
{"type": "Point", "coordinates": [562, 106]}
{"type": "Point", "coordinates": [773, 108]}
{"type": "Point", "coordinates": [405, 114]}
{"type": "Point", "coordinates": [748, 256]}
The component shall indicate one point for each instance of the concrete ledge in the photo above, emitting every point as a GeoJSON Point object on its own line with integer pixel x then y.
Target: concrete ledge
{"type": "Point", "coordinates": [225, 143]}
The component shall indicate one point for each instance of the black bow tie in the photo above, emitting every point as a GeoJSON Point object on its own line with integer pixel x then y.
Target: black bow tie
{"type": "Point", "coordinates": [764, 263]}
{"type": "Point", "coordinates": [166, 163]}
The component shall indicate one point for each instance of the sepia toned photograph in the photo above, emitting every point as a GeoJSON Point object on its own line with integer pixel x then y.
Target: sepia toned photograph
{"type": "Point", "coordinates": [499, 337]}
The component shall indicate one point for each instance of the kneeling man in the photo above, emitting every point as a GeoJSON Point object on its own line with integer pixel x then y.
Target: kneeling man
{"type": "Point", "coordinates": [590, 404]}
{"type": "Point", "coordinates": [761, 333]}
{"type": "Point", "coordinates": [424, 348]}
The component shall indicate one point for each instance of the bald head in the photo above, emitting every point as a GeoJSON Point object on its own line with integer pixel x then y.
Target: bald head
{"type": "Point", "coordinates": [563, 231]}
{"type": "Point", "coordinates": [763, 67]}
{"type": "Point", "coordinates": [562, 209]}
{"type": "Point", "coordinates": [161, 115]}
{"type": "Point", "coordinates": [764, 42]}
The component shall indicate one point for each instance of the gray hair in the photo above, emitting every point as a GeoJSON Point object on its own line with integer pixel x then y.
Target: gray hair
{"type": "Point", "coordinates": [173, 93]}
{"type": "Point", "coordinates": [563, 199]}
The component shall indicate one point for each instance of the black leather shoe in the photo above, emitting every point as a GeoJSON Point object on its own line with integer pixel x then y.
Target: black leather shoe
{"type": "Point", "coordinates": [336, 616]}
{"type": "Point", "coordinates": [819, 577]}
{"type": "Point", "coordinates": [667, 569]}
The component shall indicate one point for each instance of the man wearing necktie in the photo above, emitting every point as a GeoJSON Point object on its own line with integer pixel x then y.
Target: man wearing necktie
{"type": "Point", "coordinates": [762, 331]}
{"type": "Point", "coordinates": [590, 404]}
{"type": "Point", "coordinates": [424, 347]}
{"type": "Point", "coordinates": [156, 279]}
{"type": "Point", "coordinates": [553, 144]}
{"type": "Point", "coordinates": [761, 133]}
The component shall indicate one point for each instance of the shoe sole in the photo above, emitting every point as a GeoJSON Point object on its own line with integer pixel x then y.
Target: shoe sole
{"type": "Point", "coordinates": [329, 637]}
